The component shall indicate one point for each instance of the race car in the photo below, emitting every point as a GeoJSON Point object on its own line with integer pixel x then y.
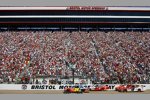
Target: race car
{"type": "Point", "coordinates": [100, 88]}
{"type": "Point", "coordinates": [76, 89]}
{"type": "Point", "coordinates": [118, 87]}
{"type": "Point", "coordinates": [91, 87]}
{"type": "Point", "coordinates": [84, 89]}
{"type": "Point", "coordinates": [131, 88]}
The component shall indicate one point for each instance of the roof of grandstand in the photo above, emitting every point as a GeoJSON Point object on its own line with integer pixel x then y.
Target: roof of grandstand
{"type": "Point", "coordinates": [75, 15]}
{"type": "Point", "coordinates": [78, 8]}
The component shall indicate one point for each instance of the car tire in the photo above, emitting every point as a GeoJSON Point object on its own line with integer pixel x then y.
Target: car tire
{"type": "Point", "coordinates": [125, 90]}
{"type": "Point", "coordinates": [139, 90]}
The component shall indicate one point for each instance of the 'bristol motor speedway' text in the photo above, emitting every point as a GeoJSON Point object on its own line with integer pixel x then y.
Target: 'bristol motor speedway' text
{"type": "Point", "coordinates": [56, 87]}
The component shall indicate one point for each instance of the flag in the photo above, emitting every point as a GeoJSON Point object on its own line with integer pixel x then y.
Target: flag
{"type": "Point", "coordinates": [70, 65]}
{"type": "Point", "coordinates": [73, 65]}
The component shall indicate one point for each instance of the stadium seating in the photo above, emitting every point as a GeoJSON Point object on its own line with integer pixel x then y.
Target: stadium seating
{"type": "Point", "coordinates": [112, 57]}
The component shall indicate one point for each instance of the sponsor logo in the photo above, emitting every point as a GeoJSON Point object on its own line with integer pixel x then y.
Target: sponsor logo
{"type": "Point", "coordinates": [24, 87]}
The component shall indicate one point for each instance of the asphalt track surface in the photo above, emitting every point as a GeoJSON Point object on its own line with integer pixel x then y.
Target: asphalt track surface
{"type": "Point", "coordinates": [61, 92]}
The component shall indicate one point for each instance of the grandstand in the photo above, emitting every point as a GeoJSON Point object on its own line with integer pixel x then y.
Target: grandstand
{"type": "Point", "coordinates": [108, 45]}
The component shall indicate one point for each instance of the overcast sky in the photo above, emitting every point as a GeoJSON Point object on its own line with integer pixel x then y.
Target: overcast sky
{"type": "Point", "coordinates": [74, 2]}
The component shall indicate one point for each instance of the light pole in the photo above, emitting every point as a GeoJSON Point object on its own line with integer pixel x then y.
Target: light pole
{"type": "Point", "coordinates": [73, 70]}
{"type": "Point", "coordinates": [149, 78]}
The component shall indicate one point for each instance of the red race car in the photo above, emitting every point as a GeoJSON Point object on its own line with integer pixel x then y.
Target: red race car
{"type": "Point", "coordinates": [101, 88]}
{"type": "Point", "coordinates": [118, 87]}
{"type": "Point", "coordinates": [132, 88]}
{"type": "Point", "coordinates": [125, 88]}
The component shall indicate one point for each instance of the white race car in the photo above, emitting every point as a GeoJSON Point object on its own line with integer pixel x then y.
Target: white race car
{"type": "Point", "coordinates": [139, 88]}
{"type": "Point", "coordinates": [132, 88]}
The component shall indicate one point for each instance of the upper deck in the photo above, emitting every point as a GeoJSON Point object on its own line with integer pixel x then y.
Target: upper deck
{"type": "Point", "coordinates": [74, 14]}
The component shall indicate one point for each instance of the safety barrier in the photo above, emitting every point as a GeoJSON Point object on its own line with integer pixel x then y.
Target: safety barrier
{"type": "Point", "coordinates": [50, 87]}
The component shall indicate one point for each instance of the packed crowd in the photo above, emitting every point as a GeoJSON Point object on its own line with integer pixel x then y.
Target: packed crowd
{"type": "Point", "coordinates": [105, 57]}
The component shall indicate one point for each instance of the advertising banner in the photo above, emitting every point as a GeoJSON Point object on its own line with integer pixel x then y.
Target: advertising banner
{"type": "Point", "coordinates": [49, 87]}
